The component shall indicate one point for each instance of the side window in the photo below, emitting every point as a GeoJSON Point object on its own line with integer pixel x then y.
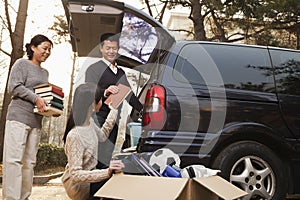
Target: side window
{"type": "Point", "coordinates": [246, 68]}
{"type": "Point", "coordinates": [187, 66]}
{"type": "Point", "coordinates": [287, 71]}
{"type": "Point", "coordinates": [185, 71]}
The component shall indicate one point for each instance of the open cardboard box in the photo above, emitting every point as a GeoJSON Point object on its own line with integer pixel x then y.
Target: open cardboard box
{"type": "Point", "coordinates": [134, 187]}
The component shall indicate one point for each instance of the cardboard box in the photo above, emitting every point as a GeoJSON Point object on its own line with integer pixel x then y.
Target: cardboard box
{"type": "Point", "coordinates": [134, 187]}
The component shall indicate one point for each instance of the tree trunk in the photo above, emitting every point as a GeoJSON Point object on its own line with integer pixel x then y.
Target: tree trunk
{"type": "Point", "coordinates": [198, 21]}
{"type": "Point", "coordinates": [71, 87]}
{"type": "Point", "coordinates": [162, 12]}
{"type": "Point", "coordinates": [149, 7]}
{"type": "Point", "coordinates": [17, 41]}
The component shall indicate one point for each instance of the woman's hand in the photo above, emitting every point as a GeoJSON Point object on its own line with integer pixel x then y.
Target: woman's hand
{"type": "Point", "coordinates": [115, 166]}
{"type": "Point", "coordinates": [110, 106]}
{"type": "Point", "coordinates": [41, 104]}
{"type": "Point", "coordinates": [98, 105]}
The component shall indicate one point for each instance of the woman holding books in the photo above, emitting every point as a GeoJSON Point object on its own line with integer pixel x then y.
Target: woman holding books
{"type": "Point", "coordinates": [22, 129]}
{"type": "Point", "coordinates": [81, 179]}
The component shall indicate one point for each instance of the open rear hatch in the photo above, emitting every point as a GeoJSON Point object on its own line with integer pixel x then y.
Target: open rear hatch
{"type": "Point", "coordinates": [142, 38]}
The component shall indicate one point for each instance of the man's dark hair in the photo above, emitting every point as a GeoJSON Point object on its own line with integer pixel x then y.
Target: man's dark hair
{"type": "Point", "coordinates": [109, 36]}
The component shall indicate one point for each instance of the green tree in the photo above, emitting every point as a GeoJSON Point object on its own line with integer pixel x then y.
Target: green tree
{"type": "Point", "coordinates": [261, 22]}
{"type": "Point", "coordinates": [285, 15]}
{"type": "Point", "coordinates": [267, 22]}
{"type": "Point", "coordinates": [157, 7]}
{"type": "Point", "coordinates": [16, 33]}
{"type": "Point", "coordinates": [210, 22]}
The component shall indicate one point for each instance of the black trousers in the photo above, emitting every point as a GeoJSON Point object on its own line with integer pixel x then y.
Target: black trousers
{"type": "Point", "coordinates": [94, 187]}
{"type": "Point", "coordinates": [105, 149]}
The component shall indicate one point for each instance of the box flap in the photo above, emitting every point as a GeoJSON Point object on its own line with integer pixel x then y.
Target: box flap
{"type": "Point", "coordinates": [221, 187]}
{"type": "Point", "coordinates": [142, 187]}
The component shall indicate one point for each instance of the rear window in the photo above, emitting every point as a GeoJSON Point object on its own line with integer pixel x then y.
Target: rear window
{"type": "Point", "coordinates": [236, 67]}
{"type": "Point", "coordinates": [138, 38]}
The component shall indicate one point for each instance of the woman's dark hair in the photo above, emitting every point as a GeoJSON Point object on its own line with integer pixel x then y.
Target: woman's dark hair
{"type": "Point", "coordinates": [83, 98]}
{"type": "Point", "coordinates": [35, 41]}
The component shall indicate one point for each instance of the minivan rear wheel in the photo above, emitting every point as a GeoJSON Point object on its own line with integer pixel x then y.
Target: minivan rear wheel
{"type": "Point", "coordinates": [254, 168]}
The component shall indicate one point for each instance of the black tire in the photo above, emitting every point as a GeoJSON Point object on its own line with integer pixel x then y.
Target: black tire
{"type": "Point", "coordinates": [254, 168]}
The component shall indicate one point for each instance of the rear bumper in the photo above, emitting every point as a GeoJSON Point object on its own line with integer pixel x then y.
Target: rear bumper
{"type": "Point", "coordinates": [191, 147]}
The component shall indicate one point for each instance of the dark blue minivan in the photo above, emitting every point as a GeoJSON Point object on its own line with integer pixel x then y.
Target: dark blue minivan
{"type": "Point", "coordinates": [231, 107]}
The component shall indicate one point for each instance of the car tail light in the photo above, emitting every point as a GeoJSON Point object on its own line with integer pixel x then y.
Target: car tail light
{"type": "Point", "coordinates": [154, 108]}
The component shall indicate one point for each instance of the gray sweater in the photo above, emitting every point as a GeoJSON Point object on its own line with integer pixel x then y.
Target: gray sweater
{"type": "Point", "coordinates": [24, 75]}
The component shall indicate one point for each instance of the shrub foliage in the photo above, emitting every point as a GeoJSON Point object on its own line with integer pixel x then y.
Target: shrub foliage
{"type": "Point", "coordinates": [50, 156]}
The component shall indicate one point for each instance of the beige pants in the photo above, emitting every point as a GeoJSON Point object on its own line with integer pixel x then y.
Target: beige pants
{"type": "Point", "coordinates": [19, 158]}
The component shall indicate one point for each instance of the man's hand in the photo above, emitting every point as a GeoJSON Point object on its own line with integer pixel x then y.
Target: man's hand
{"type": "Point", "coordinates": [113, 89]}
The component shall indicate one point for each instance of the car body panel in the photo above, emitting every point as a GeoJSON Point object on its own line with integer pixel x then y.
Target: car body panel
{"type": "Point", "coordinates": [254, 113]}
{"type": "Point", "coordinates": [287, 72]}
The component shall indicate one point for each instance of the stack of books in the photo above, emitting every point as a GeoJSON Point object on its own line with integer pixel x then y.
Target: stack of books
{"type": "Point", "coordinates": [54, 95]}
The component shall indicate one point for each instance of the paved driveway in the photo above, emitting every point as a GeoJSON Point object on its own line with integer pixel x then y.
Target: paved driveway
{"type": "Point", "coordinates": [53, 190]}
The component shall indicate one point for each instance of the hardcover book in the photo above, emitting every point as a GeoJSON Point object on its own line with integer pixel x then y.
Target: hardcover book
{"type": "Point", "coordinates": [50, 94]}
{"type": "Point", "coordinates": [49, 89]}
{"type": "Point", "coordinates": [53, 99]}
{"type": "Point", "coordinates": [56, 105]}
{"type": "Point", "coordinates": [46, 85]}
{"type": "Point", "coordinates": [117, 99]}
{"type": "Point", "coordinates": [50, 111]}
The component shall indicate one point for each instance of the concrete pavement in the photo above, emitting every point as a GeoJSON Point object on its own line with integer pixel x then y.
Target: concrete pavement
{"type": "Point", "coordinates": [52, 190]}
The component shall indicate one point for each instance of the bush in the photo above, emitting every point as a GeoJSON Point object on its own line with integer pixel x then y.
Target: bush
{"type": "Point", "coordinates": [50, 156]}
